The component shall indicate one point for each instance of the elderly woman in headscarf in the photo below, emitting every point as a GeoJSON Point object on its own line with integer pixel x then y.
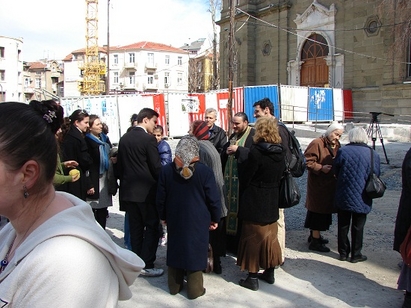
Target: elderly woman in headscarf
{"type": "Point", "coordinates": [188, 201]}
{"type": "Point", "coordinates": [211, 158]}
{"type": "Point", "coordinates": [321, 184]}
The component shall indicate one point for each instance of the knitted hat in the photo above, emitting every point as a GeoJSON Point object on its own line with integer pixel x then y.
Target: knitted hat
{"type": "Point", "coordinates": [200, 130]}
{"type": "Point", "coordinates": [187, 154]}
{"type": "Point", "coordinates": [333, 126]}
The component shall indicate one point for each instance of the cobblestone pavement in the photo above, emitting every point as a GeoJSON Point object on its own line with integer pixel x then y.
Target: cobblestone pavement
{"type": "Point", "coordinates": [307, 279]}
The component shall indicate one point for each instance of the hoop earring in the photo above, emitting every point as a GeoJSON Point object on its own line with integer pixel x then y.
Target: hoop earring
{"type": "Point", "coordinates": [25, 192]}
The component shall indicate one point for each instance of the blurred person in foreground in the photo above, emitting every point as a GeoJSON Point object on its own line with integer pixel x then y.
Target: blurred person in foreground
{"type": "Point", "coordinates": [210, 157]}
{"type": "Point", "coordinates": [352, 168]}
{"type": "Point", "coordinates": [189, 203]}
{"type": "Point", "coordinates": [259, 246]}
{"type": "Point", "coordinates": [402, 224]}
{"type": "Point", "coordinates": [321, 183]}
{"type": "Point", "coordinates": [53, 253]}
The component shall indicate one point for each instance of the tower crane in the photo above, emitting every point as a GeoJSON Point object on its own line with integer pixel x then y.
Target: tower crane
{"type": "Point", "coordinates": [93, 68]}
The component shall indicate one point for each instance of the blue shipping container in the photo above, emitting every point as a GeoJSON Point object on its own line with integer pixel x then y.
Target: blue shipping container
{"type": "Point", "coordinates": [253, 94]}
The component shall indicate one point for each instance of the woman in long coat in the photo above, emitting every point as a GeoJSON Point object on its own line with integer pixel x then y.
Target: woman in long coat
{"type": "Point", "coordinates": [188, 201]}
{"type": "Point", "coordinates": [321, 182]}
{"type": "Point", "coordinates": [402, 224]}
{"type": "Point", "coordinates": [74, 147]}
{"type": "Point", "coordinates": [259, 246]}
{"type": "Point", "coordinates": [98, 195]}
{"type": "Point", "coordinates": [352, 167]}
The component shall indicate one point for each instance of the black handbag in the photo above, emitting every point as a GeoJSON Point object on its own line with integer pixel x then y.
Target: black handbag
{"type": "Point", "coordinates": [374, 187]}
{"type": "Point", "coordinates": [290, 194]}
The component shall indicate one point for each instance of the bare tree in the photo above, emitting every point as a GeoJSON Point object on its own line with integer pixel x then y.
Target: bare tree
{"type": "Point", "coordinates": [214, 9]}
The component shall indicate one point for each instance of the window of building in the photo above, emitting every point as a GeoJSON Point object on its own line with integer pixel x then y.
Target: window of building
{"type": "Point", "coordinates": [131, 76]}
{"type": "Point", "coordinates": [167, 60]}
{"type": "Point", "coordinates": [115, 77]}
{"type": "Point", "coordinates": [150, 78]}
{"type": "Point", "coordinates": [26, 82]}
{"type": "Point", "coordinates": [115, 59]}
{"type": "Point", "coordinates": [316, 46]}
{"type": "Point", "coordinates": [131, 57]}
{"type": "Point", "coordinates": [180, 61]}
{"type": "Point", "coordinates": [2, 75]}
{"type": "Point", "coordinates": [38, 83]}
{"type": "Point", "coordinates": [150, 58]}
{"type": "Point", "coordinates": [1, 52]}
{"type": "Point", "coordinates": [179, 79]}
{"type": "Point", "coordinates": [167, 79]}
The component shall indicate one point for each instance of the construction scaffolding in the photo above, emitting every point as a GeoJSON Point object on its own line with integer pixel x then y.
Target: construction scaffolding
{"type": "Point", "coordinates": [93, 68]}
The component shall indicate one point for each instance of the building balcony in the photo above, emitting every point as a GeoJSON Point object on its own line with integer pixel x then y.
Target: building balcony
{"type": "Point", "coordinates": [130, 65]}
{"type": "Point", "coordinates": [28, 90]}
{"type": "Point", "coordinates": [151, 86]}
{"type": "Point", "coordinates": [151, 66]}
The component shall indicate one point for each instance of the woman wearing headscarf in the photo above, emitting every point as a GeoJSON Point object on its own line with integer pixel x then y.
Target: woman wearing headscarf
{"type": "Point", "coordinates": [321, 182]}
{"type": "Point", "coordinates": [211, 158]}
{"type": "Point", "coordinates": [188, 218]}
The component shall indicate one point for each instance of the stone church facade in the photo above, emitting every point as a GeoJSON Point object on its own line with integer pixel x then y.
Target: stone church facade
{"type": "Point", "coordinates": [342, 43]}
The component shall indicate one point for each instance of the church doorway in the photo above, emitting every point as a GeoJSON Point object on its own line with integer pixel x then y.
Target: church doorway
{"type": "Point", "coordinates": [314, 70]}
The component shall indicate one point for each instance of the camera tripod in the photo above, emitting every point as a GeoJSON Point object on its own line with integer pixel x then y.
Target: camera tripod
{"type": "Point", "coordinates": [374, 130]}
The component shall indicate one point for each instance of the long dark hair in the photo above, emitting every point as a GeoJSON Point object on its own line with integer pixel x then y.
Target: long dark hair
{"type": "Point", "coordinates": [27, 132]}
{"type": "Point", "coordinates": [77, 115]}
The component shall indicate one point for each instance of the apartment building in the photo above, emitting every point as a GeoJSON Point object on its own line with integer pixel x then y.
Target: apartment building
{"type": "Point", "coordinates": [11, 68]}
{"type": "Point", "coordinates": [148, 67]}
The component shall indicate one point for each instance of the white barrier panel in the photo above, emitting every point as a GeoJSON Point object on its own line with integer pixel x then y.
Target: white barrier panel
{"type": "Point", "coordinates": [178, 114]}
{"type": "Point", "coordinates": [338, 101]}
{"type": "Point", "coordinates": [293, 101]}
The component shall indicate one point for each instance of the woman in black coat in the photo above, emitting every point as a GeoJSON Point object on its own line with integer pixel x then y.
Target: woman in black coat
{"type": "Point", "coordinates": [74, 147]}
{"type": "Point", "coordinates": [402, 224]}
{"type": "Point", "coordinates": [259, 246]}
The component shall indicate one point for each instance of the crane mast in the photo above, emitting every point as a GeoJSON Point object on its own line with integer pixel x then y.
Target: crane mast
{"type": "Point", "coordinates": [94, 69]}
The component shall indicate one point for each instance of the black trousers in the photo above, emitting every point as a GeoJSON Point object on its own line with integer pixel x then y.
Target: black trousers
{"type": "Point", "coordinates": [218, 239]}
{"type": "Point", "coordinates": [144, 231]}
{"type": "Point", "coordinates": [101, 216]}
{"type": "Point", "coordinates": [357, 231]}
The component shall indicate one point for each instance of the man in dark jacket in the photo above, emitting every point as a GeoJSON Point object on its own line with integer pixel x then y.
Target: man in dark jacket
{"type": "Point", "coordinates": [217, 135]}
{"type": "Point", "coordinates": [138, 168]}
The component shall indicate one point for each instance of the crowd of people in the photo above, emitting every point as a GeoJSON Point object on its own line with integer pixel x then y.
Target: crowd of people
{"type": "Point", "coordinates": [61, 173]}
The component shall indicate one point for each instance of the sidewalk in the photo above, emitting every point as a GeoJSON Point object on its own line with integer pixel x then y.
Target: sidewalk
{"type": "Point", "coordinates": [307, 279]}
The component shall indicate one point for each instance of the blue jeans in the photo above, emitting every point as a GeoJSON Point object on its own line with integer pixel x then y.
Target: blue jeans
{"type": "Point", "coordinates": [127, 240]}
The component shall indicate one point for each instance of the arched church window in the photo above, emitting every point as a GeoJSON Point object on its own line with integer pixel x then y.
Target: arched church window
{"type": "Point", "coordinates": [315, 46]}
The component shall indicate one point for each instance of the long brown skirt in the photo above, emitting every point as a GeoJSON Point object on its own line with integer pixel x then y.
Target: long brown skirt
{"type": "Point", "coordinates": [258, 247]}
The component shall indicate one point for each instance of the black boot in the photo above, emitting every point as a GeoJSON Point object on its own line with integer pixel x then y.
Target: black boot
{"type": "Point", "coordinates": [267, 275]}
{"type": "Point", "coordinates": [316, 245]}
{"type": "Point", "coordinates": [217, 265]}
{"type": "Point", "coordinates": [250, 283]}
{"type": "Point", "coordinates": [323, 240]}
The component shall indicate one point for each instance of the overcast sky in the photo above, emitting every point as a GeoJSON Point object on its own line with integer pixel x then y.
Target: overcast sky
{"type": "Point", "coordinates": [54, 28]}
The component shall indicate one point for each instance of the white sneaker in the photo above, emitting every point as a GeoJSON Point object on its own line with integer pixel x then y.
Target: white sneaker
{"type": "Point", "coordinates": [152, 272]}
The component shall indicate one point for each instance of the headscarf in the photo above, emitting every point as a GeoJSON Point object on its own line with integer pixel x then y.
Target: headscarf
{"type": "Point", "coordinates": [201, 130]}
{"type": "Point", "coordinates": [186, 155]}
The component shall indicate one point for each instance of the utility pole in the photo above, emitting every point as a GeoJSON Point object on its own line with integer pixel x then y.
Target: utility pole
{"type": "Point", "coordinates": [108, 49]}
{"type": "Point", "coordinates": [230, 67]}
